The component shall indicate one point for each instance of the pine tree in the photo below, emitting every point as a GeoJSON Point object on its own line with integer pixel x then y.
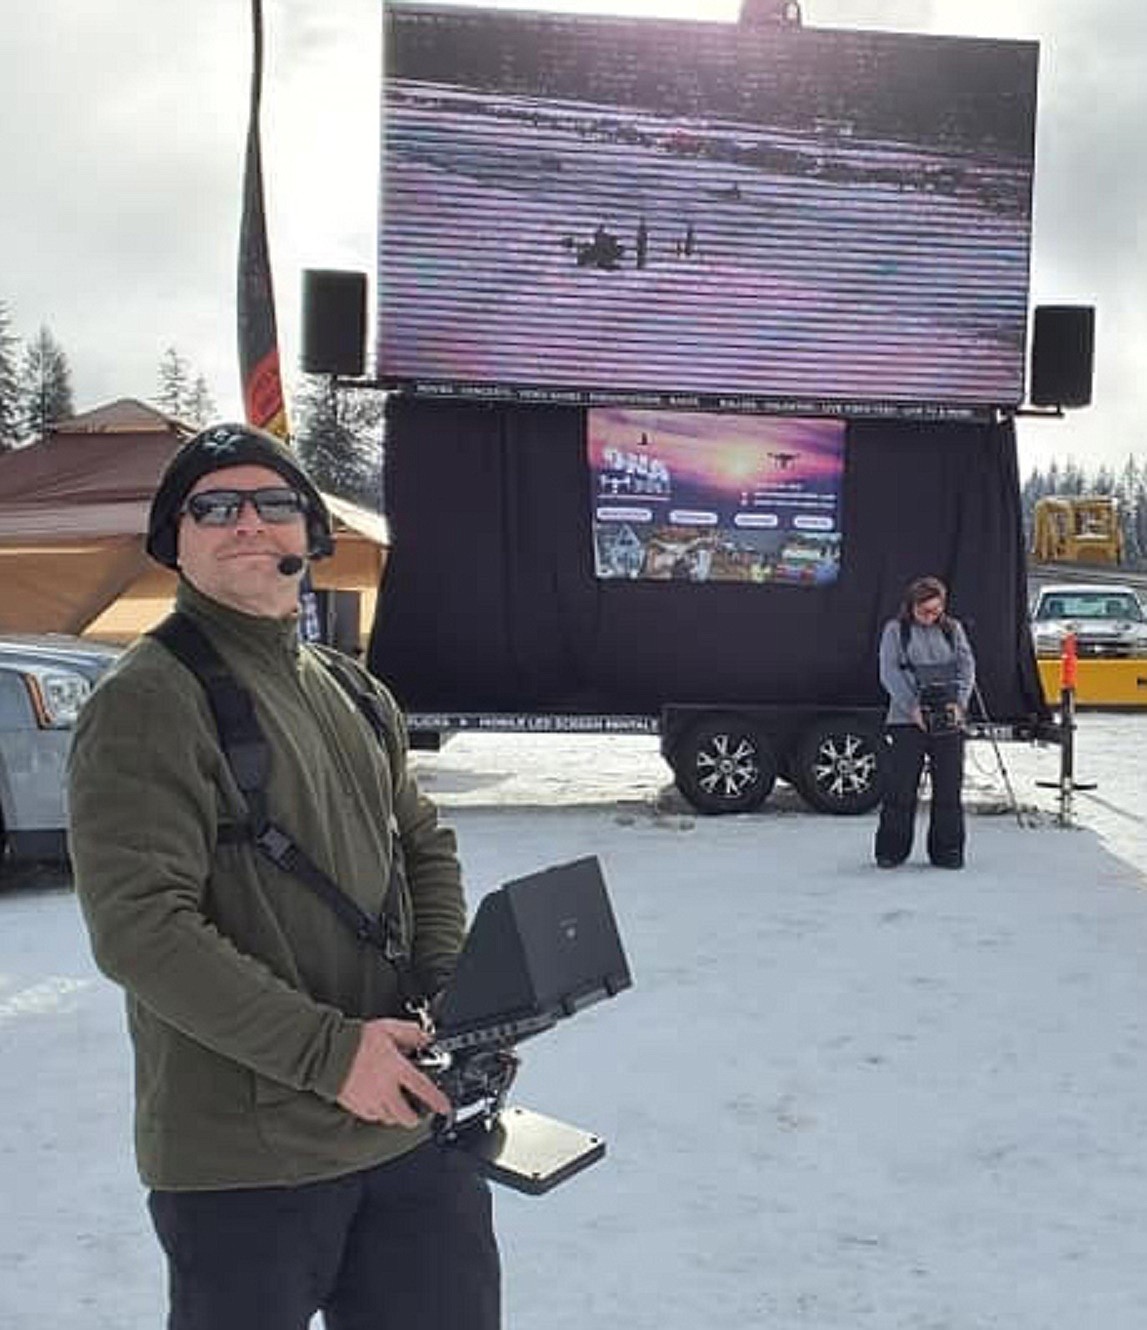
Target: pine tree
{"type": "Point", "coordinates": [363, 414]}
{"type": "Point", "coordinates": [180, 395]}
{"type": "Point", "coordinates": [11, 396]}
{"type": "Point", "coordinates": [1072, 480]}
{"type": "Point", "coordinates": [198, 404]}
{"type": "Point", "coordinates": [1032, 490]}
{"type": "Point", "coordinates": [47, 384]}
{"type": "Point", "coordinates": [1129, 489]}
{"type": "Point", "coordinates": [1139, 523]}
{"type": "Point", "coordinates": [339, 440]}
{"type": "Point", "coordinates": [173, 386]}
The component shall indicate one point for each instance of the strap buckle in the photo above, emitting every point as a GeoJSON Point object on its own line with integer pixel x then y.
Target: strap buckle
{"type": "Point", "coordinates": [392, 945]}
{"type": "Point", "coordinates": [419, 1010]}
{"type": "Point", "coordinates": [275, 844]}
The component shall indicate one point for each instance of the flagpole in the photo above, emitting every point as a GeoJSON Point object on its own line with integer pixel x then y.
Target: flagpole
{"type": "Point", "coordinates": [259, 368]}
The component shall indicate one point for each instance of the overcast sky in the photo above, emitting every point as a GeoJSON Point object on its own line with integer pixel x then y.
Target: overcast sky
{"type": "Point", "coordinates": [121, 138]}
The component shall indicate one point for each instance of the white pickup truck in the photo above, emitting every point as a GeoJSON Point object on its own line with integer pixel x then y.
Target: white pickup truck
{"type": "Point", "coordinates": [1107, 619]}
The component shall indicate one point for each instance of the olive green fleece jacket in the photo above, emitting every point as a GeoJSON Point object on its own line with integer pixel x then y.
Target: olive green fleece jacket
{"type": "Point", "coordinates": [245, 993]}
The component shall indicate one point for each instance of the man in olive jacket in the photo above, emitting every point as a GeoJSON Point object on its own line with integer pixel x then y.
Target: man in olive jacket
{"type": "Point", "coordinates": [280, 1122]}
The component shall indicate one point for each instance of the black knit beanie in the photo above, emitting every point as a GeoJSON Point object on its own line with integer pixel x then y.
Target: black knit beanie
{"type": "Point", "coordinates": [214, 449]}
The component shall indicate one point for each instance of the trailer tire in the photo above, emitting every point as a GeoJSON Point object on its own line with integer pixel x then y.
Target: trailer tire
{"type": "Point", "coordinates": [836, 767]}
{"type": "Point", "coordinates": [723, 764]}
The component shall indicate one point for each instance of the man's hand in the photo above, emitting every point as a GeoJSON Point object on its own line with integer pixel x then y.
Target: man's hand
{"type": "Point", "coordinates": [381, 1077]}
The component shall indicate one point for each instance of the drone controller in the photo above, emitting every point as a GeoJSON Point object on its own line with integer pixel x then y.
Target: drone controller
{"type": "Point", "coordinates": [538, 950]}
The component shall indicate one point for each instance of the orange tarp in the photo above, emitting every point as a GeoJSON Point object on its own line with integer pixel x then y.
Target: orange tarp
{"type": "Point", "coordinates": [73, 516]}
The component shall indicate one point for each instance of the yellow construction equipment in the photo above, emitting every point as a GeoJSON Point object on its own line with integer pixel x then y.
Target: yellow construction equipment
{"type": "Point", "coordinates": [1077, 528]}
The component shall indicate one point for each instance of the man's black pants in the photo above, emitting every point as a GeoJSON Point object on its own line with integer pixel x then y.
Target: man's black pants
{"type": "Point", "coordinates": [905, 750]}
{"type": "Point", "coordinates": [408, 1245]}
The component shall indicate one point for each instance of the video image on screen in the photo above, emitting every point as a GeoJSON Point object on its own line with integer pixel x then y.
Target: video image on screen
{"type": "Point", "coordinates": [794, 215]}
{"type": "Point", "coordinates": [701, 496]}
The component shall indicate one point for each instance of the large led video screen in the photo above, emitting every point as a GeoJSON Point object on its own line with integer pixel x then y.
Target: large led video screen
{"type": "Point", "coordinates": [666, 213]}
{"type": "Point", "coordinates": [701, 496]}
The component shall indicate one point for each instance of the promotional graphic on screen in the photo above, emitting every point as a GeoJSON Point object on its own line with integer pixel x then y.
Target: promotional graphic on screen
{"type": "Point", "coordinates": [698, 497]}
{"type": "Point", "coordinates": [743, 218]}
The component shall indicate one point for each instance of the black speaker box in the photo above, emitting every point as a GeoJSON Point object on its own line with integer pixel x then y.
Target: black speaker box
{"type": "Point", "coordinates": [334, 322]}
{"type": "Point", "coordinates": [1063, 347]}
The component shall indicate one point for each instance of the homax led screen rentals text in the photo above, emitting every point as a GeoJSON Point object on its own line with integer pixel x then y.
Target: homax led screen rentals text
{"type": "Point", "coordinates": [577, 208]}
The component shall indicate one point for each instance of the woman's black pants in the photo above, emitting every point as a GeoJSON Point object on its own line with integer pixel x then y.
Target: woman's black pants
{"type": "Point", "coordinates": [906, 748]}
{"type": "Point", "coordinates": [408, 1245]}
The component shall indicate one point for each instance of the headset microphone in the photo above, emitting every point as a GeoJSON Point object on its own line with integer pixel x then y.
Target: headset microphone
{"type": "Point", "coordinates": [290, 564]}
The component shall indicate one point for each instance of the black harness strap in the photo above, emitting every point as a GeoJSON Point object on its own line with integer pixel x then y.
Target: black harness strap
{"type": "Point", "coordinates": [369, 704]}
{"type": "Point", "coordinates": [906, 665]}
{"type": "Point", "coordinates": [906, 634]}
{"type": "Point", "coordinates": [248, 755]}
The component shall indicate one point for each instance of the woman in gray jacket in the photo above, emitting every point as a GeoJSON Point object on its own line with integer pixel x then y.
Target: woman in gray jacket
{"type": "Point", "coordinates": [928, 671]}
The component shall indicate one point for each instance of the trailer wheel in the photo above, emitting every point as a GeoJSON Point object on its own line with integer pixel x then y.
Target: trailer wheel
{"type": "Point", "coordinates": [724, 765]}
{"type": "Point", "coordinates": [836, 767]}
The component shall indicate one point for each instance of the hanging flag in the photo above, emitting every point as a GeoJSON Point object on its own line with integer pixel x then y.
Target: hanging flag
{"type": "Point", "coordinates": [263, 400]}
{"type": "Point", "coordinates": [258, 337]}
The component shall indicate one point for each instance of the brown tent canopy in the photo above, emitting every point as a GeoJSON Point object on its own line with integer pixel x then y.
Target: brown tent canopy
{"type": "Point", "coordinates": [73, 516]}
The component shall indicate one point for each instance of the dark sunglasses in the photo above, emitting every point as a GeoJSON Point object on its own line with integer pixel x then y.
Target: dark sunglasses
{"type": "Point", "coordinates": [275, 505]}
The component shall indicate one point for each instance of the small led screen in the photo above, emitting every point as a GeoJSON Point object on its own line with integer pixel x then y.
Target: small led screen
{"type": "Point", "coordinates": [764, 218]}
{"type": "Point", "coordinates": [701, 497]}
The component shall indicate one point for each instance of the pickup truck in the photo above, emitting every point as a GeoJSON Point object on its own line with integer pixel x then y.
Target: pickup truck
{"type": "Point", "coordinates": [1110, 631]}
{"type": "Point", "coordinates": [1106, 618]}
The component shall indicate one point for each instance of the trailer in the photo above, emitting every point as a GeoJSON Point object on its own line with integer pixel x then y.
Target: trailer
{"type": "Point", "coordinates": [491, 616]}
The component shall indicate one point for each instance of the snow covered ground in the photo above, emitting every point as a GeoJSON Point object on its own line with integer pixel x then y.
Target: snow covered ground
{"type": "Point", "coordinates": [835, 1096]}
